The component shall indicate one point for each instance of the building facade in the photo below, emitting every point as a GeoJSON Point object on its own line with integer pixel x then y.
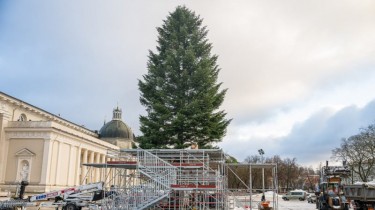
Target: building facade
{"type": "Point", "coordinates": [47, 150]}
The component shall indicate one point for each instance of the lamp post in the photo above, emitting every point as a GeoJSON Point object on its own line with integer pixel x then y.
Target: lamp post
{"type": "Point", "coordinates": [261, 153]}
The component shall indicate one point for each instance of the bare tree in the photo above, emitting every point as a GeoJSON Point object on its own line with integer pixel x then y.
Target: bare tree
{"type": "Point", "coordinates": [310, 179]}
{"type": "Point", "coordinates": [237, 176]}
{"type": "Point", "coordinates": [290, 173]}
{"type": "Point", "coordinates": [256, 176]}
{"type": "Point", "coordinates": [359, 152]}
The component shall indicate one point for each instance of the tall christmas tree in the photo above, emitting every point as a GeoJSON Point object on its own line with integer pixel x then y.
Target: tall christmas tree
{"type": "Point", "coordinates": [180, 90]}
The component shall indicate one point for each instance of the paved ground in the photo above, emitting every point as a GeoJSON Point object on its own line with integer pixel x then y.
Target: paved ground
{"type": "Point", "coordinates": [295, 205]}
{"type": "Point", "coordinates": [282, 205]}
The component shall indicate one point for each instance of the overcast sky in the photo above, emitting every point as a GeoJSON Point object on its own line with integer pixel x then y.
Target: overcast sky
{"type": "Point", "coordinates": [300, 74]}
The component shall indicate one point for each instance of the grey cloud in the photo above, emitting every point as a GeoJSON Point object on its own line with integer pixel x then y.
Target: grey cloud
{"type": "Point", "coordinates": [323, 131]}
{"type": "Point", "coordinates": [310, 141]}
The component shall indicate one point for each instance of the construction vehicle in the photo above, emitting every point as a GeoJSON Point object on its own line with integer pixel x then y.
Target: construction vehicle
{"type": "Point", "coordinates": [73, 198]}
{"type": "Point", "coordinates": [330, 194]}
{"type": "Point", "coordinates": [362, 194]}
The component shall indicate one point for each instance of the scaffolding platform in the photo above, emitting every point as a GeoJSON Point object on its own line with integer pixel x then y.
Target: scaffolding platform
{"type": "Point", "coordinates": [169, 179]}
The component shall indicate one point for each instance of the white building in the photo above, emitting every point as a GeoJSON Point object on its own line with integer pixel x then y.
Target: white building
{"type": "Point", "coordinates": [47, 150]}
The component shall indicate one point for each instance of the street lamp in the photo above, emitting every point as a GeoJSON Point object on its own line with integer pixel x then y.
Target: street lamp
{"type": "Point", "coordinates": [261, 153]}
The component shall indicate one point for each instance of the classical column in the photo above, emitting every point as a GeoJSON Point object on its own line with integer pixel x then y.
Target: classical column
{"type": "Point", "coordinates": [78, 166]}
{"type": "Point", "coordinates": [91, 160]}
{"type": "Point", "coordinates": [57, 180]}
{"type": "Point", "coordinates": [4, 145]}
{"type": "Point", "coordinates": [103, 172]}
{"type": "Point", "coordinates": [46, 164]}
{"type": "Point", "coordinates": [84, 168]}
{"type": "Point", "coordinates": [111, 174]}
{"type": "Point", "coordinates": [108, 172]}
{"type": "Point", "coordinates": [96, 171]}
{"type": "Point", "coordinates": [70, 169]}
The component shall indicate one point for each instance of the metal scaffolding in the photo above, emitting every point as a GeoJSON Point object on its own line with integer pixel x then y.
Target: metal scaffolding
{"type": "Point", "coordinates": [255, 202]}
{"type": "Point", "coordinates": [171, 179]}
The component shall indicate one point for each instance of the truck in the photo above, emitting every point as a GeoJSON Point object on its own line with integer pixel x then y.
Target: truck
{"type": "Point", "coordinates": [73, 198]}
{"type": "Point", "coordinates": [330, 194]}
{"type": "Point", "coordinates": [362, 195]}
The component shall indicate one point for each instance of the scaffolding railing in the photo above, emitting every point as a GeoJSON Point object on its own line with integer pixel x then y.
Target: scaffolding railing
{"type": "Point", "coordinates": [198, 186]}
{"type": "Point", "coordinates": [249, 187]}
{"type": "Point", "coordinates": [136, 197]}
{"type": "Point", "coordinates": [156, 168]}
{"type": "Point", "coordinates": [179, 179]}
{"type": "Point", "coordinates": [14, 204]}
{"type": "Point", "coordinates": [155, 177]}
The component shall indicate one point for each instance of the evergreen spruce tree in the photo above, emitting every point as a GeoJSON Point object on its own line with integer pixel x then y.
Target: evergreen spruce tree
{"type": "Point", "coordinates": [180, 90]}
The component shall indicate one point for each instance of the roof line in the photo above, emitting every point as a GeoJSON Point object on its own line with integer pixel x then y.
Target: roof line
{"type": "Point", "coordinates": [56, 116]}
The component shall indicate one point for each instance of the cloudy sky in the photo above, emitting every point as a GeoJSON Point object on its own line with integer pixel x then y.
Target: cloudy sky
{"type": "Point", "coordinates": [300, 74]}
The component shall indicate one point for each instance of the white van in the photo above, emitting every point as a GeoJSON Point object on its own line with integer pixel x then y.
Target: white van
{"type": "Point", "coordinates": [295, 194]}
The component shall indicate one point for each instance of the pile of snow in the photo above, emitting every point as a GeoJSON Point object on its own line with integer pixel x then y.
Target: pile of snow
{"type": "Point", "coordinates": [270, 193]}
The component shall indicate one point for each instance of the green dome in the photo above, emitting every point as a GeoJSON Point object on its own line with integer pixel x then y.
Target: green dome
{"type": "Point", "coordinates": [116, 128]}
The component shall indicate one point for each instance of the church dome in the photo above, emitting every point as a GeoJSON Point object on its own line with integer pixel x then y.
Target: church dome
{"type": "Point", "coordinates": [116, 128]}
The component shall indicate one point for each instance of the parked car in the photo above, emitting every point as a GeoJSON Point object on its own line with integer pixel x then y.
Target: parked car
{"type": "Point", "coordinates": [295, 194]}
{"type": "Point", "coordinates": [311, 198]}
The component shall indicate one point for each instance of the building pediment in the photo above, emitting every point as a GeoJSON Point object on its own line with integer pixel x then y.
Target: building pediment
{"type": "Point", "coordinates": [25, 152]}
